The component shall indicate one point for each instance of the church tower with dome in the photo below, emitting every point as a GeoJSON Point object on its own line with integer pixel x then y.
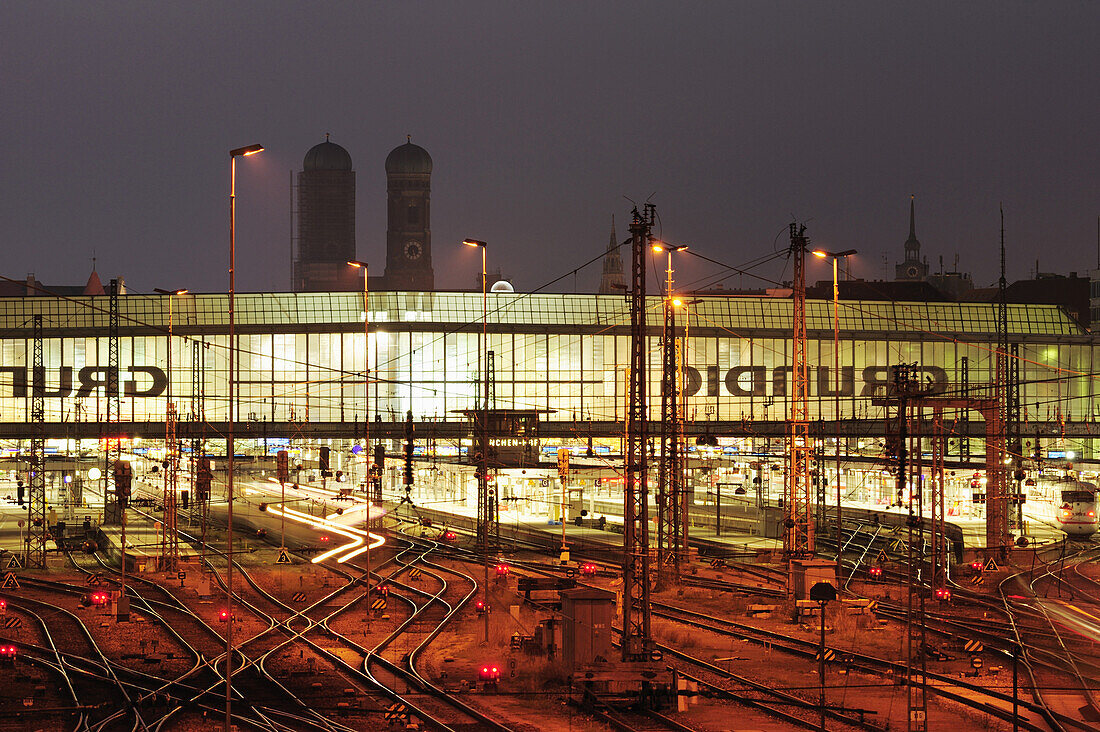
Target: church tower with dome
{"type": "Point", "coordinates": [326, 221]}
{"type": "Point", "coordinates": [408, 230]}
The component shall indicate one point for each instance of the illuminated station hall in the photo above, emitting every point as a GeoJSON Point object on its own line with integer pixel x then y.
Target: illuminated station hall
{"type": "Point", "coordinates": [554, 370]}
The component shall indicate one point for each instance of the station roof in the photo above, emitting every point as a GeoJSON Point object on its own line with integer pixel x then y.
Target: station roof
{"type": "Point", "coordinates": [519, 312]}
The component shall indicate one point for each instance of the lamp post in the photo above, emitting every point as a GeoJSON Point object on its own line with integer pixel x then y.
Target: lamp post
{"type": "Point", "coordinates": [229, 443]}
{"type": "Point", "coordinates": [669, 530]}
{"type": "Point", "coordinates": [483, 430]}
{"type": "Point", "coordinates": [836, 394]}
{"type": "Point", "coordinates": [366, 412]}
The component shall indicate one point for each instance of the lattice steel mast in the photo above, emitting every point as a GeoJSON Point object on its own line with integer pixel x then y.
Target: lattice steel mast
{"type": "Point", "coordinates": [169, 538]}
{"type": "Point", "coordinates": [996, 526]}
{"type": "Point", "coordinates": [1011, 357]}
{"type": "Point", "coordinates": [200, 492]}
{"type": "Point", "coordinates": [910, 491]}
{"type": "Point", "coordinates": [636, 611]}
{"type": "Point", "coordinates": [36, 495]}
{"type": "Point", "coordinates": [938, 476]}
{"type": "Point", "coordinates": [112, 505]}
{"type": "Point", "coordinates": [798, 538]}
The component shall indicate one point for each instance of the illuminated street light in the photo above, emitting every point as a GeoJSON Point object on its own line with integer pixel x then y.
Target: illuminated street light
{"type": "Point", "coordinates": [483, 480]}
{"type": "Point", "coordinates": [672, 498]}
{"type": "Point", "coordinates": [366, 408]}
{"type": "Point", "coordinates": [835, 256]}
{"type": "Point", "coordinates": [229, 443]}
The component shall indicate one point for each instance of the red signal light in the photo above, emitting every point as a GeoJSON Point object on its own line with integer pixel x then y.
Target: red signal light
{"type": "Point", "coordinates": [324, 539]}
{"type": "Point", "coordinates": [875, 571]}
{"type": "Point", "coordinates": [489, 674]}
{"type": "Point", "coordinates": [502, 570]}
{"type": "Point", "coordinates": [223, 615]}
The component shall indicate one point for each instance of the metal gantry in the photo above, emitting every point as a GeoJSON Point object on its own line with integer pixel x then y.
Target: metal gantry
{"type": "Point", "coordinates": [798, 537]}
{"type": "Point", "coordinates": [636, 611]}
{"type": "Point", "coordinates": [36, 493]}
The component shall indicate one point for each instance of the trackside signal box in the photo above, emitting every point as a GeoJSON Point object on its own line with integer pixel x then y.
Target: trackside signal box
{"type": "Point", "coordinates": [808, 572]}
{"type": "Point", "coordinates": [587, 613]}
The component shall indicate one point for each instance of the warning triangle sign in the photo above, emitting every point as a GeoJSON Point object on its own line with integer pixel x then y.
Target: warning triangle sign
{"type": "Point", "coordinates": [284, 557]}
{"type": "Point", "coordinates": [898, 545]}
{"type": "Point", "coordinates": [881, 556]}
{"type": "Point", "coordinates": [10, 582]}
{"type": "Point", "coordinates": [990, 566]}
{"type": "Point", "coordinates": [13, 562]}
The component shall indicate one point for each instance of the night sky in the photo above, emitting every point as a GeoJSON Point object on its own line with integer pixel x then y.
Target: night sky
{"type": "Point", "coordinates": [541, 119]}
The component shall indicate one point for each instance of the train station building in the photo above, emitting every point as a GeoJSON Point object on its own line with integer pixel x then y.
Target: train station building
{"type": "Point", "coordinates": [302, 378]}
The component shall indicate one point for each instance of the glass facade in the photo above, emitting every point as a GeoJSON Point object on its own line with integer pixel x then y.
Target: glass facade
{"type": "Point", "coordinates": [301, 355]}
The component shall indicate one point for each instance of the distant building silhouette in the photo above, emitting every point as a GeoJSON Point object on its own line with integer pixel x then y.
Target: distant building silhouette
{"type": "Point", "coordinates": [326, 221]}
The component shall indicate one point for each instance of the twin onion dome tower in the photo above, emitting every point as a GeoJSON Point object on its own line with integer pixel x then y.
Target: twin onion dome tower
{"type": "Point", "coordinates": [326, 221]}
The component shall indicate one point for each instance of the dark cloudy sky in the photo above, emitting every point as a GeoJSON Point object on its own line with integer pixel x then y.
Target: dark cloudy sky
{"type": "Point", "coordinates": [117, 119]}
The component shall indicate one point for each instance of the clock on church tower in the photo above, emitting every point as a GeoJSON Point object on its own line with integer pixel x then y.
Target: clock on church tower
{"type": "Point", "coordinates": [408, 233]}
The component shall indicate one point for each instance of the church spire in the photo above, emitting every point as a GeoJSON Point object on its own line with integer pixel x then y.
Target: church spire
{"type": "Point", "coordinates": [612, 279]}
{"type": "Point", "coordinates": [912, 218]}
{"type": "Point", "coordinates": [913, 268]}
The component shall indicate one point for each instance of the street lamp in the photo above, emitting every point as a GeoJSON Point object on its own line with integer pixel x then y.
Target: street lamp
{"type": "Point", "coordinates": [670, 483]}
{"type": "Point", "coordinates": [239, 152]}
{"type": "Point", "coordinates": [822, 254]}
{"type": "Point", "coordinates": [483, 430]}
{"type": "Point", "coordinates": [366, 412]}
{"type": "Point", "coordinates": [169, 541]}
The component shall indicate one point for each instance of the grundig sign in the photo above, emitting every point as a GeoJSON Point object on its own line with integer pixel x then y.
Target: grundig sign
{"type": "Point", "coordinates": [142, 381]}
{"type": "Point", "coordinates": [752, 381]}
{"type": "Point", "coordinates": [740, 381]}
